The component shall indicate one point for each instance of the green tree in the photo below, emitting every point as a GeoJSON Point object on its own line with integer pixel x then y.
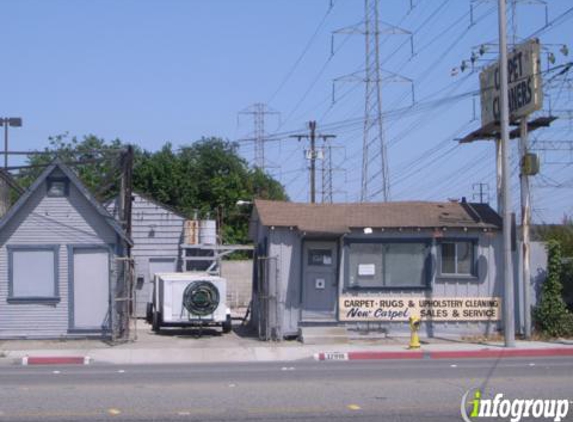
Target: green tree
{"type": "Point", "coordinates": [562, 233]}
{"type": "Point", "coordinates": [99, 162]}
{"type": "Point", "coordinates": [551, 315]}
{"type": "Point", "coordinates": [207, 177]}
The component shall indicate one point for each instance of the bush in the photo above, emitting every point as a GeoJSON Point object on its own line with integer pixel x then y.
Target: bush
{"type": "Point", "coordinates": [551, 315]}
{"type": "Point", "coordinates": [567, 282]}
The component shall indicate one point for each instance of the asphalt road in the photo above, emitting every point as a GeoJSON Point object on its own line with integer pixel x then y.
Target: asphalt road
{"type": "Point", "coordinates": [302, 391]}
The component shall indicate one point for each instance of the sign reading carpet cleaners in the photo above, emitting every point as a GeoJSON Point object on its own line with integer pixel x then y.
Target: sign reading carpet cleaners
{"type": "Point", "coordinates": [384, 309]}
{"type": "Point", "coordinates": [524, 84]}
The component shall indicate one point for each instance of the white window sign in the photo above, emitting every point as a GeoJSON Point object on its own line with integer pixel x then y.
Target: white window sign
{"type": "Point", "coordinates": [366, 269]}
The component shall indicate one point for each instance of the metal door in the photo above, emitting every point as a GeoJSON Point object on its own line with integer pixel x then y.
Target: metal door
{"type": "Point", "coordinates": [90, 286]}
{"type": "Point", "coordinates": [319, 281]}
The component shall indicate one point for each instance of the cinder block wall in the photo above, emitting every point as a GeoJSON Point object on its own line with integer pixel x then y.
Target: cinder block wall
{"type": "Point", "coordinates": [239, 275]}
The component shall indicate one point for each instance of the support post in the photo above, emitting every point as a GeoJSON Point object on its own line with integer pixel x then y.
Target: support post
{"type": "Point", "coordinates": [499, 176]}
{"type": "Point", "coordinates": [525, 222]}
{"type": "Point", "coordinates": [508, 299]}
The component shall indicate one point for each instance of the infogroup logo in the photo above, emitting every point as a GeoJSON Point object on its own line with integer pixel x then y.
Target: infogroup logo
{"type": "Point", "coordinates": [475, 407]}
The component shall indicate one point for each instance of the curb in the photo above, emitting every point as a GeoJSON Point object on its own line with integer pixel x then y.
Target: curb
{"type": "Point", "coordinates": [458, 354]}
{"type": "Point", "coordinates": [55, 360]}
{"type": "Point", "coordinates": [502, 353]}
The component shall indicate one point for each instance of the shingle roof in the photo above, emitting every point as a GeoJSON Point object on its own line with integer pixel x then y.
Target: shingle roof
{"type": "Point", "coordinates": [340, 218]}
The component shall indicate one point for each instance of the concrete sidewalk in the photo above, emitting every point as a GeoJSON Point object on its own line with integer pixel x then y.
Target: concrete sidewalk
{"type": "Point", "coordinates": [180, 346]}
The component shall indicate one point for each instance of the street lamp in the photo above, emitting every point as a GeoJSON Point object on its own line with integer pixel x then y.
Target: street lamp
{"type": "Point", "coordinates": [8, 121]}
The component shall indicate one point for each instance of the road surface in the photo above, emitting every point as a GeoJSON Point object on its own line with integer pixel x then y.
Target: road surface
{"type": "Point", "coordinates": [429, 390]}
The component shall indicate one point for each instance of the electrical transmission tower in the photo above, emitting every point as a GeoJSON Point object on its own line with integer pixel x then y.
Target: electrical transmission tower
{"type": "Point", "coordinates": [327, 171]}
{"type": "Point", "coordinates": [259, 111]}
{"type": "Point", "coordinates": [374, 151]}
{"type": "Point", "coordinates": [373, 136]}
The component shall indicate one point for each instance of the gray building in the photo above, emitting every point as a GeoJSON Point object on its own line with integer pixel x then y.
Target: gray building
{"type": "Point", "coordinates": [62, 263]}
{"type": "Point", "coordinates": [157, 232]}
{"type": "Point", "coordinates": [376, 264]}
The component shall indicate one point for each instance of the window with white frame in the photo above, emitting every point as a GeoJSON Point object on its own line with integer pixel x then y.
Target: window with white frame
{"type": "Point", "coordinates": [33, 273]}
{"type": "Point", "coordinates": [457, 258]}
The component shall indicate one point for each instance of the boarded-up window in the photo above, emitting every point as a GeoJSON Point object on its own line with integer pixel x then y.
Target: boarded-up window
{"type": "Point", "coordinates": [33, 272]}
{"type": "Point", "coordinates": [388, 265]}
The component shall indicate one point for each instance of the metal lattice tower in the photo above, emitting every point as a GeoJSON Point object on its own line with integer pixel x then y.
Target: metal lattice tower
{"type": "Point", "coordinates": [327, 174]}
{"type": "Point", "coordinates": [259, 111]}
{"type": "Point", "coordinates": [374, 154]}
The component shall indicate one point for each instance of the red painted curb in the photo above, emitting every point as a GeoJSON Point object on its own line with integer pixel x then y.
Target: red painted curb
{"type": "Point", "coordinates": [502, 353]}
{"type": "Point", "coordinates": [55, 360]}
{"type": "Point", "coordinates": [385, 355]}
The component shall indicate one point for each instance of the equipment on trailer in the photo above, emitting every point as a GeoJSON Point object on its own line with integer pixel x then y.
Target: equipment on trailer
{"type": "Point", "coordinates": [188, 299]}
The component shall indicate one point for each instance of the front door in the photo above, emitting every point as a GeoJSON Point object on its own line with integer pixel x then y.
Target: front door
{"type": "Point", "coordinates": [319, 281]}
{"type": "Point", "coordinates": [90, 287]}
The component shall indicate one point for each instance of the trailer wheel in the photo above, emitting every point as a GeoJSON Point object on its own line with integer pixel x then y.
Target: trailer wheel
{"type": "Point", "coordinates": [156, 323]}
{"type": "Point", "coordinates": [227, 325]}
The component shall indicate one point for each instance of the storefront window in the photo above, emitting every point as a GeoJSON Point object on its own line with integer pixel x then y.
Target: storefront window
{"type": "Point", "coordinates": [388, 265]}
{"type": "Point", "coordinates": [457, 258]}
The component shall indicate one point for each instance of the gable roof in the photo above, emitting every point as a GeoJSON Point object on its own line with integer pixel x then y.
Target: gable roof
{"type": "Point", "coordinates": [340, 218]}
{"type": "Point", "coordinates": [74, 179]}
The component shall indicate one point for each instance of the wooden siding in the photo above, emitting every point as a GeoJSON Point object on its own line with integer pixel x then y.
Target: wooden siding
{"type": "Point", "coordinates": [167, 226]}
{"type": "Point", "coordinates": [285, 248]}
{"type": "Point", "coordinates": [48, 220]}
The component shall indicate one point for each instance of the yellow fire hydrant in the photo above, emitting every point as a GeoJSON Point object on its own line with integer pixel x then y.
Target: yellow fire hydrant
{"type": "Point", "coordinates": [414, 327]}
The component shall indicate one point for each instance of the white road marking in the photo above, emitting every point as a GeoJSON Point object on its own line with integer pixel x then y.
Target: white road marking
{"type": "Point", "coordinates": [56, 372]}
{"type": "Point", "coordinates": [453, 366]}
{"type": "Point", "coordinates": [184, 413]}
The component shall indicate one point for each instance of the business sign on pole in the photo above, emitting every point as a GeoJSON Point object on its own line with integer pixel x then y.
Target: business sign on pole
{"type": "Point", "coordinates": [525, 93]}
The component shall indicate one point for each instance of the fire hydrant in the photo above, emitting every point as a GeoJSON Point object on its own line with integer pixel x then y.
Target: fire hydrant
{"type": "Point", "coordinates": [414, 327]}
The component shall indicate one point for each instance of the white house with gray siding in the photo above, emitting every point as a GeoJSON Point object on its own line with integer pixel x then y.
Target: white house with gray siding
{"type": "Point", "coordinates": [157, 232]}
{"type": "Point", "coordinates": [376, 265]}
{"type": "Point", "coordinates": [61, 262]}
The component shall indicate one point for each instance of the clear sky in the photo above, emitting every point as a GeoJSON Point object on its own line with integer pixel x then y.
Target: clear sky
{"type": "Point", "coordinates": [151, 71]}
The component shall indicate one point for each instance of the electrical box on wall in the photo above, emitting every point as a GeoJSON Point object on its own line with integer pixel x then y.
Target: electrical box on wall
{"type": "Point", "coordinates": [530, 164]}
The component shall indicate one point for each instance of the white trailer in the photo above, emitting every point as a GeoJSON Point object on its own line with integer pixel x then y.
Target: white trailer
{"type": "Point", "coordinates": [188, 299]}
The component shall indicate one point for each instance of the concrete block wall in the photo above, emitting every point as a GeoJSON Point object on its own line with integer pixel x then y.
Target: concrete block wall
{"type": "Point", "coordinates": [239, 275]}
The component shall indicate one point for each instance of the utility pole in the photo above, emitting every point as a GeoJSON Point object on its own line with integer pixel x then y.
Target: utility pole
{"type": "Point", "coordinates": [312, 155]}
{"type": "Point", "coordinates": [126, 297]}
{"type": "Point", "coordinates": [525, 222]}
{"type": "Point", "coordinates": [482, 192]}
{"type": "Point", "coordinates": [508, 299]}
{"type": "Point", "coordinates": [4, 186]}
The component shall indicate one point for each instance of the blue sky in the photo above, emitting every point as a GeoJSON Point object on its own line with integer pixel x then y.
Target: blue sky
{"type": "Point", "coordinates": [148, 72]}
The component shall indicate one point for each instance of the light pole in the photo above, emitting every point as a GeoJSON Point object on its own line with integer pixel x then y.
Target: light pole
{"type": "Point", "coordinates": [8, 121]}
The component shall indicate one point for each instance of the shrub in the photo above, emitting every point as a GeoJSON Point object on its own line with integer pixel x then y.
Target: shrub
{"type": "Point", "coordinates": [551, 315]}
